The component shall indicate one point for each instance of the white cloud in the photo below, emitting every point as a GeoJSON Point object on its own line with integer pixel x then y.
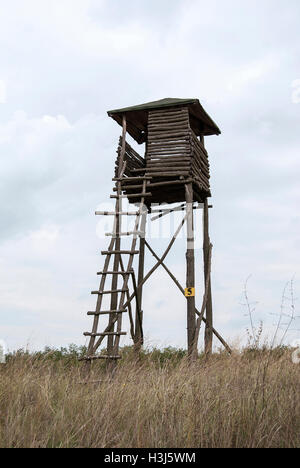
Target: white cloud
{"type": "Point", "coordinates": [296, 91]}
{"type": "Point", "coordinates": [253, 72]}
{"type": "Point", "coordinates": [2, 92]}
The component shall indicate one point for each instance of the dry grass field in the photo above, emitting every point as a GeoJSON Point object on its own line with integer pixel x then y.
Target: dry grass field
{"type": "Point", "coordinates": [251, 399]}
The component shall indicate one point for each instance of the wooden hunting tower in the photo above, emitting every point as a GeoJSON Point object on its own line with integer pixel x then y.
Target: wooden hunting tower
{"type": "Point", "coordinates": [174, 169]}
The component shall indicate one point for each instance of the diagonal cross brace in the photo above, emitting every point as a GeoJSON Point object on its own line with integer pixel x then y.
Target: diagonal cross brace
{"type": "Point", "coordinates": [160, 262]}
{"type": "Point", "coordinates": [200, 314]}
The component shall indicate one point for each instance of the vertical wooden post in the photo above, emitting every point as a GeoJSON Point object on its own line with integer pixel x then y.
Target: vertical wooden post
{"type": "Point", "coordinates": [114, 283]}
{"type": "Point", "coordinates": [117, 230]}
{"type": "Point", "coordinates": [139, 313]}
{"type": "Point", "coordinates": [190, 268]}
{"type": "Point", "coordinates": [206, 252]}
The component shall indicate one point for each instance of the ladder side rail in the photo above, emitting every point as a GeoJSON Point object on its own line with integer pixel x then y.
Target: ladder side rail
{"type": "Point", "coordinates": [129, 266]}
{"type": "Point", "coordinates": [100, 298]}
{"type": "Point", "coordinates": [117, 230]}
{"type": "Point", "coordinates": [160, 262]}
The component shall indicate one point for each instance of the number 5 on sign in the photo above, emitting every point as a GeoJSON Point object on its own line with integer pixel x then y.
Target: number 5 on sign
{"type": "Point", "coordinates": [190, 292]}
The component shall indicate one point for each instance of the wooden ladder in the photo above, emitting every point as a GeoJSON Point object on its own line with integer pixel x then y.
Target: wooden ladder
{"type": "Point", "coordinates": [121, 269]}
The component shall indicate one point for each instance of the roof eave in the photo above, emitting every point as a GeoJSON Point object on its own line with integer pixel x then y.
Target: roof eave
{"type": "Point", "coordinates": [139, 134]}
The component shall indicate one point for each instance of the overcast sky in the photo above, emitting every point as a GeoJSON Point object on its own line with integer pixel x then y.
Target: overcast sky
{"type": "Point", "coordinates": [64, 63]}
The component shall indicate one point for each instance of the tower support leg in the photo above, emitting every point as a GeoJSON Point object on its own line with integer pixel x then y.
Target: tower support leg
{"type": "Point", "coordinates": [117, 230]}
{"type": "Point", "coordinates": [114, 283]}
{"type": "Point", "coordinates": [138, 338]}
{"type": "Point", "coordinates": [206, 252]}
{"type": "Point", "coordinates": [190, 268]}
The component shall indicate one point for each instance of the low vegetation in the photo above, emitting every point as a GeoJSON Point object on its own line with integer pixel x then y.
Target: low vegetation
{"type": "Point", "coordinates": [249, 399]}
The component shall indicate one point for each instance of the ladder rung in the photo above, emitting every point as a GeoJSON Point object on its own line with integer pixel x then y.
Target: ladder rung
{"type": "Point", "coordinates": [108, 292]}
{"type": "Point", "coordinates": [132, 195]}
{"type": "Point", "coordinates": [115, 252]}
{"type": "Point", "coordinates": [93, 358]}
{"type": "Point", "coordinates": [105, 334]}
{"type": "Point", "coordinates": [113, 213]}
{"type": "Point", "coordinates": [130, 179]}
{"type": "Point", "coordinates": [123, 234]}
{"type": "Point", "coordinates": [108, 312]}
{"type": "Point", "coordinates": [124, 273]}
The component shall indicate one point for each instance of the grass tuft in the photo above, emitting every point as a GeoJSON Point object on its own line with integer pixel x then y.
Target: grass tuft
{"type": "Point", "coordinates": [251, 399]}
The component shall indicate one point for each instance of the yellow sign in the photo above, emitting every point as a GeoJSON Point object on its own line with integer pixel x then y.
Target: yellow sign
{"type": "Point", "coordinates": [190, 292]}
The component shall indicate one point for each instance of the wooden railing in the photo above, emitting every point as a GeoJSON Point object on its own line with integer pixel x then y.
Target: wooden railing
{"type": "Point", "coordinates": [132, 158]}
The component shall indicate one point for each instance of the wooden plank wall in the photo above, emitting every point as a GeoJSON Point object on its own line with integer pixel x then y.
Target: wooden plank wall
{"type": "Point", "coordinates": [169, 148]}
{"type": "Point", "coordinates": [200, 164]}
{"type": "Point", "coordinates": [173, 153]}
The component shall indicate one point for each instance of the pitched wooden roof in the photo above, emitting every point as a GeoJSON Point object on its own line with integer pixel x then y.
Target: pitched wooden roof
{"type": "Point", "coordinates": [137, 117]}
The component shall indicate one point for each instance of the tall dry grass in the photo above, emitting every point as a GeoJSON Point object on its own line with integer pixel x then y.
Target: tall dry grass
{"type": "Point", "coordinates": [248, 400]}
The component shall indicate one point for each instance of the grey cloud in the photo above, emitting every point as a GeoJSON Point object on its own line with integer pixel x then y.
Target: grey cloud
{"type": "Point", "coordinates": [78, 59]}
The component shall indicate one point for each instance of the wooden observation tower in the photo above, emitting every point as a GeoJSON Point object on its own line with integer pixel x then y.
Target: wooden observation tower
{"type": "Point", "coordinates": [174, 169]}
